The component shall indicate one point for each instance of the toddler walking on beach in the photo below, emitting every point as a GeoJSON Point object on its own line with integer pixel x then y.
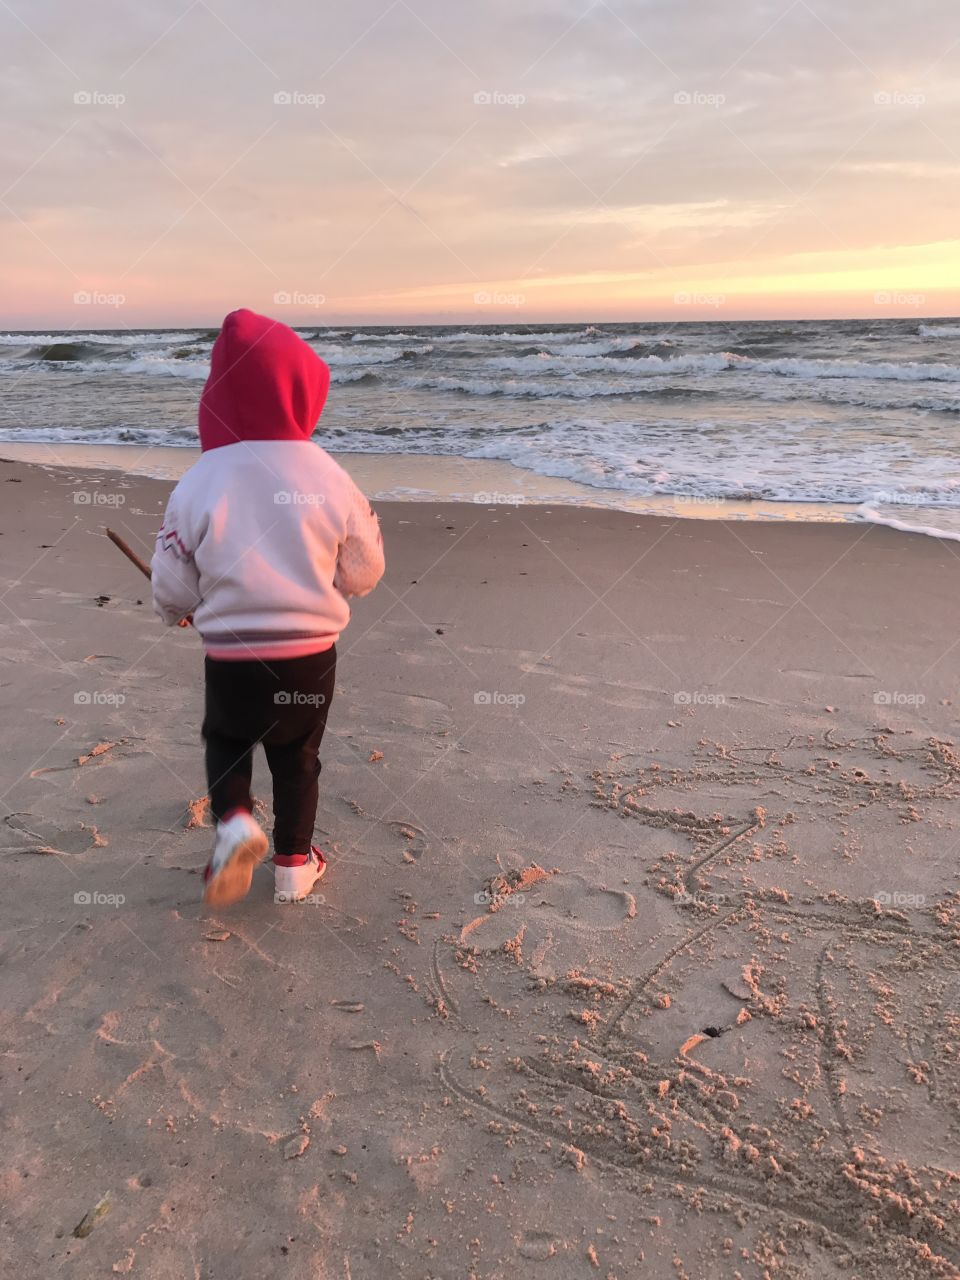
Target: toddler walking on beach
{"type": "Point", "coordinates": [262, 541]}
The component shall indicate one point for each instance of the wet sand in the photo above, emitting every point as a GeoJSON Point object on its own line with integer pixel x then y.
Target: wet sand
{"type": "Point", "coordinates": [640, 949]}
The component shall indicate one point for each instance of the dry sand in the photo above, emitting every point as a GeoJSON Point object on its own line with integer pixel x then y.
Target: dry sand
{"type": "Point", "coordinates": [644, 962]}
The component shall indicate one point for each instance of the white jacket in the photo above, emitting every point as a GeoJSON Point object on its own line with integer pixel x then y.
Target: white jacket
{"type": "Point", "coordinates": [262, 542]}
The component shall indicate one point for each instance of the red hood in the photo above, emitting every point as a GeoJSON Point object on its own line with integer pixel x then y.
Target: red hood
{"type": "Point", "coordinates": [265, 383]}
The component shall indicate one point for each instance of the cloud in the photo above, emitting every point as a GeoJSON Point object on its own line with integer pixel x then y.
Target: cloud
{"type": "Point", "coordinates": [380, 150]}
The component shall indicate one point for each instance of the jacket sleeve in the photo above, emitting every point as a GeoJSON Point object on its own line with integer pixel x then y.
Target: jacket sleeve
{"type": "Point", "coordinates": [360, 562]}
{"type": "Point", "coordinates": [173, 572]}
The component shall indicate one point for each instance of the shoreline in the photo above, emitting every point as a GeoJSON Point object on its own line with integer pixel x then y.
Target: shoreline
{"type": "Point", "coordinates": [444, 478]}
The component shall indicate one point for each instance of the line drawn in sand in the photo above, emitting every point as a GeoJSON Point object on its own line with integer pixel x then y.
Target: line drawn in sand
{"type": "Point", "coordinates": [609, 1093]}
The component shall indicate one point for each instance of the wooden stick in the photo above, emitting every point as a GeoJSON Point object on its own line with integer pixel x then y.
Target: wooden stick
{"type": "Point", "coordinates": [144, 568]}
{"type": "Point", "coordinates": [129, 552]}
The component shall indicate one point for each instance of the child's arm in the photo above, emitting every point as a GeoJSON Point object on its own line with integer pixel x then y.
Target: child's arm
{"type": "Point", "coordinates": [174, 576]}
{"type": "Point", "coordinates": [360, 561]}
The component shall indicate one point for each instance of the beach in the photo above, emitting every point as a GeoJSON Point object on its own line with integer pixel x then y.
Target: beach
{"type": "Point", "coordinates": [639, 949]}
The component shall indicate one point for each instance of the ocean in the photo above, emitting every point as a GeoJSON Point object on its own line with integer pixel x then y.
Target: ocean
{"type": "Point", "coordinates": [854, 412]}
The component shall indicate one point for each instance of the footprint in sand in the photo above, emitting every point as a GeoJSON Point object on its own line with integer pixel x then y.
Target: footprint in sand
{"type": "Point", "coordinates": [398, 713]}
{"type": "Point", "coordinates": [545, 923]}
{"type": "Point", "coordinates": [538, 1246]}
{"type": "Point", "coordinates": [141, 1027]}
{"type": "Point", "coordinates": [412, 838]}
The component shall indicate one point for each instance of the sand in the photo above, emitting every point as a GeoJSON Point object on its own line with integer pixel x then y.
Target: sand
{"type": "Point", "coordinates": [640, 949]}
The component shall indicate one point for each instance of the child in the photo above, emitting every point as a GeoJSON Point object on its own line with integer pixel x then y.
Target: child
{"type": "Point", "coordinates": [262, 540]}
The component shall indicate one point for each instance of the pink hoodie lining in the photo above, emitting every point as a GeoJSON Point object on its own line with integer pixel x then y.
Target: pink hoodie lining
{"type": "Point", "coordinates": [266, 652]}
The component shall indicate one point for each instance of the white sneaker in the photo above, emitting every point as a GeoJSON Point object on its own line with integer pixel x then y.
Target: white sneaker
{"type": "Point", "coordinates": [293, 884]}
{"type": "Point", "coordinates": [240, 846]}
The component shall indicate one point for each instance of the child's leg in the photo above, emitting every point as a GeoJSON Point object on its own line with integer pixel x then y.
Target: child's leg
{"type": "Point", "coordinates": [229, 740]}
{"type": "Point", "coordinates": [291, 749]}
{"type": "Point", "coordinates": [296, 792]}
{"type": "Point", "coordinates": [229, 769]}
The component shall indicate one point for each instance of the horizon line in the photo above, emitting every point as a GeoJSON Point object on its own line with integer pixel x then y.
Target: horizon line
{"type": "Point", "coordinates": [500, 322]}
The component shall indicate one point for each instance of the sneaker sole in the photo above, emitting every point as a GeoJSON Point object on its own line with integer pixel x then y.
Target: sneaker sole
{"type": "Point", "coordinates": [282, 898]}
{"type": "Point", "coordinates": [232, 882]}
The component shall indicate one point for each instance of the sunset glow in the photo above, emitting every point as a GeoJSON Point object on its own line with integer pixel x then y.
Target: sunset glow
{"type": "Point", "coordinates": [565, 161]}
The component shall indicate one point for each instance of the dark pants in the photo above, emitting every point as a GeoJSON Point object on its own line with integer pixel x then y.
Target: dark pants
{"type": "Point", "coordinates": [284, 705]}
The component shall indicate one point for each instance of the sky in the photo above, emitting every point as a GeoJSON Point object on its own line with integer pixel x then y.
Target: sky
{"type": "Point", "coordinates": [504, 160]}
